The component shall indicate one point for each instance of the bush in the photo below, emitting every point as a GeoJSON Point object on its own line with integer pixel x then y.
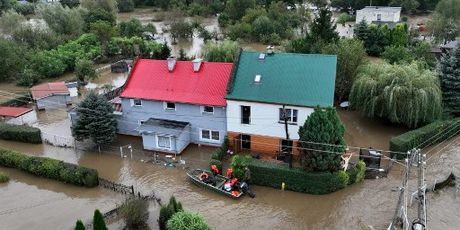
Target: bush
{"type": "Point", "coordinates": [239, 164]}
{"type": "Point", "coordinates": [273, 174]}
{"type": "Point", "coordinates": [135, 212]}
{"type": "Point", "coordinates": [125, 5]}
{"type": "Point", "coordinates": [50, 168]}
{"type": "Point", "coordinates": [218, 154]}
{"type": "Point", "coordinates": [20, 133]}
{"type": "Point", "coordinates": [79, 225]}
{"type": "Point", "coordinates": [187, 220]}
{"type": "Point", "coordinates": [25, 8]}
{"type": "Point", "coordinates": [98, 221]}
{"type": "Point", "coordinates": [356, 174]}
{"type": "Point", "coordinates": [166, 212]}
{"type": "Point", "coordinates": [4, 177]}
{"type": "Point", "coordinates": [425, 136]}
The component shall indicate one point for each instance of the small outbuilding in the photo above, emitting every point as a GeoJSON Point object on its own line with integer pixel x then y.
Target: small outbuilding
{"type": "Point", "coordinates": [51, 95]}
{"type": "Point", "coordinates": [17, 115]}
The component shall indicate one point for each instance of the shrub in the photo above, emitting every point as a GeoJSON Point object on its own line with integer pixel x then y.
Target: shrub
{"type": "Point", "coordinates": [239, 164]}
{"type": "Point", "coordinates": [50, 168]}
{"type": "Point", "coordinates": [425, 136]}
{"type": "Point", "coordinates": [135, 212]}
{"type": "Point", "coordinates": [4, 177]}
{"type": "Point", "coordinates": [356, 174]}
{"type": "Point", "coordinates": [25, 8]}
{"type": "Point", "coordinates": [20, 133]}
{"type": "Point", "coordinates": [273, 174]}
{"type": "Point", "coordinates": [79, 225]}
{"type": "Point", "coordinates": [166, 212]}
{"type": "Point", "coordinates": [187, 220]}
{"type": "Point", "coordinates": [98, 221]}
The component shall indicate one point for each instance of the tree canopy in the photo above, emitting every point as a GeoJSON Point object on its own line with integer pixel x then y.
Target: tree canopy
{"type": "Point", "coordinates": [322, 141]}
{"type": "Point", "coordinates": [187, 220]}
{"type": "Point", "coordinates": [404, 94]}
{"type": "Point", "coordinates": [225, 51]}
{"type": "Point", "coordinates": [450, 80]}
{"type": "Point", "coordinates": [95, 120]}
{"type": "Point", "coordinates": [445, 23]}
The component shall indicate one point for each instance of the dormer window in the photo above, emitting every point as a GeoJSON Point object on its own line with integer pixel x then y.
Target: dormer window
{"type": "Point", "coordinates": [257, 78]}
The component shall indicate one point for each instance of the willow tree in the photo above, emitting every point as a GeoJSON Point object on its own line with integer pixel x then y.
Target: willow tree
{"type": "Point", "coordinates": [405, 94]}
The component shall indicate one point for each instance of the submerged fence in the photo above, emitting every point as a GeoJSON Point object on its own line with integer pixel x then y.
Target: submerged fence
{"type": "Point", "coordinates": [116, 187]}
{"type": "Point", "coordinates": [58, 140]}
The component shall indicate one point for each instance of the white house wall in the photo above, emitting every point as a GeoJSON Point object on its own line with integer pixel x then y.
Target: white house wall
{"type": "Point", "coordinates": [264, 119]}
{"type": "Point", "coordinates": [371, 16]}
{"type": "Point", "coordinates": [26, 119]}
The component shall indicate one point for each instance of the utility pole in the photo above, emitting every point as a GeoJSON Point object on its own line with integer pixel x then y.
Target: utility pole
{"type": "Point", "coordinates": [285, 118]}
{"type": "Point", "coordinates": [420, 222]}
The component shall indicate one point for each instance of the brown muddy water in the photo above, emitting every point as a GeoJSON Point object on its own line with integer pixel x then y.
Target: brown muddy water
{"type": "Point", "coordinates": [28, 201]}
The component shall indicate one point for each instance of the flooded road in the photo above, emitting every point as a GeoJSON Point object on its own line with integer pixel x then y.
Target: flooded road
{"type": "Point", "coordinates": [368, 205]}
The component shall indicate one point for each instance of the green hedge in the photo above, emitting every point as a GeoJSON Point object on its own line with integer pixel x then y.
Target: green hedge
{"type": "Point", "coordinates": [4, 177]}
{"type": "Point", "coordinates": [422, 137]}
{"type": "Point", "coordinates": [50, 168]}
{"type": "Point", "coordinates": [20, 133]}
{"type": "Point", "coordinates": [272, 174]}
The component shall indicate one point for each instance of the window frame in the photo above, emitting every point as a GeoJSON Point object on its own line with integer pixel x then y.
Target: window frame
{"type": "Point", "coordinates": [134, 104]}
{"type": "Point", "coordinates": [165, 105]}
{"type": "Point", "coordinates": [242, 113]}
{"type": "Point", "coordinates": [210, 135]}
{"type": "Point", "coordinates": [291, 117]}
{"type": "Point", "coordinates": [158, 142]}
{"type": "Point", "coordinates": [203, 109]}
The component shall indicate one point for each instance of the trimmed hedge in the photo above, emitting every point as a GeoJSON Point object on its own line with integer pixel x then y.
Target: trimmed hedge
{"type": "Point", "coordinates": [50, 168]}
{"type": "Point", "coordinates": [272, 174]}
{"type": "Point", "coordinates": [20, 133]}
{"type": "Point", "coordinates": [440, 130]}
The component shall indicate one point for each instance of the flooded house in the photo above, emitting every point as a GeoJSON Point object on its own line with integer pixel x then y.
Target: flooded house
{"type": "Point", "coordinates": [51, 95]}
{"type": "Point", "coordinates": [272, 90]}
{"type": "Point", "coordinates": [17, 115]}
{"type": "Point", "coordinates": [171, 103]}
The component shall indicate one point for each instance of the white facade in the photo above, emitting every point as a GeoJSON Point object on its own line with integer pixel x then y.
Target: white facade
{"type": "Point", "coordinates": [264, 119]}
{"type": "Point", "coordinates": [25, 119]}
{"type": "Point", "coordinates": [378, 14]}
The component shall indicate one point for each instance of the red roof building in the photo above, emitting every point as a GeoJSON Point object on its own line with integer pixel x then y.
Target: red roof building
{"type": "Point", "coordinates": [14, 112]}
{"type": "Point", "coordinates": [203, 83]}
{"type": "Point", "coordinates": [49, 89]}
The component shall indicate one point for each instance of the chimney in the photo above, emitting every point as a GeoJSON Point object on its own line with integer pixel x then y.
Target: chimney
{"type": "Point", "coordinates": [197, 64]}
{"type": "Point", "coordinates": [270, 49]}
{"type": "Point", "coordinates": [171, 63]}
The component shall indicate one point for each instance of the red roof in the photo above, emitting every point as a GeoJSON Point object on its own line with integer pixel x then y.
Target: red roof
{"type": "Point", "coordinates": [150, 79]}
{"type": "Point", "coordinates": [48, 89]}
{"type": "Point", "coordinates": [6, 111]}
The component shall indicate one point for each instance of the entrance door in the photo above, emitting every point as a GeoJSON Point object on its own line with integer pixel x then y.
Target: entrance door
{"type": "Point", "coordinates": [245, 141]}
{"type": "Point", "coordinates": [286, 146]}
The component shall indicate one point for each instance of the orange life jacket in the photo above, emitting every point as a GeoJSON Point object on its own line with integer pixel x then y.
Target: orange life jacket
{"type": "Point", "coordinates": [215, 169]}
{"type": "Point", "coordinates": [229, 172]}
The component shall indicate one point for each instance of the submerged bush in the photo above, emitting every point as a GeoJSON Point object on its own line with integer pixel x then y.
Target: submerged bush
{"type": "Point", "coordinates": [187, 220]}
{"type": "Point", "coordinates": [135, 212]}
{"type": "Point", "coordinates": [50, 168]}
{"type": "Point", "coordinates": [20, 133]}
{"type": "Point", "coordinates": [4, 177]}
{"type": "Point", "coordinates": [167, 211]}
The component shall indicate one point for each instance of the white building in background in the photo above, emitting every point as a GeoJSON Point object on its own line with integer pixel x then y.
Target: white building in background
{"type": "Point", "coordinates": [378, 14]}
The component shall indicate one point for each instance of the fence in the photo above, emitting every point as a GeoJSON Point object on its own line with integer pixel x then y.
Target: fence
{"type": "Point", "coordinates": [57, 140]}
{"type": "Point", "coordinates": [121, 188]}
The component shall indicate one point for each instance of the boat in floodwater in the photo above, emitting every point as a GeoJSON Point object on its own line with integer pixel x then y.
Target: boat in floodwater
{"type": "Point", "coordinates": [216, 183]}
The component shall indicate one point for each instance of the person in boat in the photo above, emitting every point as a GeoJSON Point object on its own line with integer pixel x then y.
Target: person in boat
{"type": "Point", "coordinates": [215, 170]}
{"type": "Point", "coordinates": [247, 175]}
{"type": "Point", "coordinates": [230, 184]}
{"type": "Point", "coordinates": [229, 173]}
{"type": "Point", "coordinates": [204, 176]}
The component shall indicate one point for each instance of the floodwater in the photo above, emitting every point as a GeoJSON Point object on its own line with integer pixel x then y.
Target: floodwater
{"type": "Point", "coordinates": [45, 204]}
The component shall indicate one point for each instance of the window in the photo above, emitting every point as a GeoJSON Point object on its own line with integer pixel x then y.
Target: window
{"type": "Point", "coordinates": [245, 114]}
{"type": "Point", "coordinates": [140, 122]}
{"type": "Point", "coordinates": [170, 105]}
{"type": "Point", "coordinates": [208, 109]}
{"type": "Point", "coordinates": [245, 141]}
{"type": "Point", "coordinates": [136, 102]}
{"type": "Point", "coordinates": [291, 115]}
{"type": "Point", "coordinates": [164, 142]}
{"type": "Point", "coordinates": [210, 135]}
{"type": "Point", "coordinates": [379, 17]}
{"type": "Point", "coordinates": [286, 146]}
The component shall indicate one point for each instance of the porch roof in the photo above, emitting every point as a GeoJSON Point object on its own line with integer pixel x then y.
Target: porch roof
{"type": "Point", "coordinates": [162, 126]}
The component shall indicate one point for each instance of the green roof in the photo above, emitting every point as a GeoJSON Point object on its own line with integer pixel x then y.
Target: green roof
{"type": "Point", "coordinates": [285, 78]}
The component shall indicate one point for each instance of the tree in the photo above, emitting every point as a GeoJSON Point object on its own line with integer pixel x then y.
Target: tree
{"type": "Point", "coordinates": [187, 220]}
{"type": "Point", "coordinates": [450, 80]}
{"type": "Point", "coordinates": [181, 29]}
{"type": "Point", "coordinates": [5, 5]}
{"type": "Point", "coordinates": [104, 31]}
{"type": "Point", "coordinates": [350, 55]}
{"type": "Point", "coordinates": [10, 21]}
{"type": "Point", "coordinates": [13, 59]}
{"type": "Point", "coordinates": [220, 52]}
{"type": "Point", "coordinates": [135, 212]}
{"type": "Point", "coordinates": [125, 5]}
{"type": "Point", "coordinates": [99, 15]}
{"type": "Point", "coordinates": [397, 55]}
{"type": "Point", "coordinates": [321, 141]}
{"type": "Point", "coordinates": [79, 225]}
{"type": "Point", "coordinates": [444, 25]}
{"type": "Point", "coordinates": [323, 27]}
{"type": "Point", "coordinates": [84, 70]}
{"type": "Point", "coordinates": [62, 20]}
{"type": "Point", "coordinates": [422, 50]}
{"type": "Point", "coordinates": [404, 94]}
{"type": "Point", "coordinates": [236, 9]}
{"type": "Point", "coordinates": [109, 6]}
{"type": "Point", "coordinates": [70, 3]}
{"type": "Point", "coordinates": [166, 212]}
{"type": "Point", "coordinates": [95, 120]}
{"type": "Point", "coordinates": [239, 165]}
{"type": "Point", "coordinates": [98, 221]}
{"type": "Point", "coordinates": [131, 28]}
{"type": "Point", "coordinates": [407, 5]}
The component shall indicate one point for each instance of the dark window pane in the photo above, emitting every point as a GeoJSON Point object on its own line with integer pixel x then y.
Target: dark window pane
{"type": "Point", "coordinates": [205, 134]}
{"type": "Point", "coordinates": [294, 116]}
{"type": "Point", "coordinates": [208, 109]}
{"type": "Point", "coordinates": [215, 135]}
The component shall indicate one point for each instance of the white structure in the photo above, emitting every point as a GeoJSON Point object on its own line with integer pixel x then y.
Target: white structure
{"type": "Point", "coordinates": [378, 14]}
{"type": "Point", "coordinates": [17, 115]}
